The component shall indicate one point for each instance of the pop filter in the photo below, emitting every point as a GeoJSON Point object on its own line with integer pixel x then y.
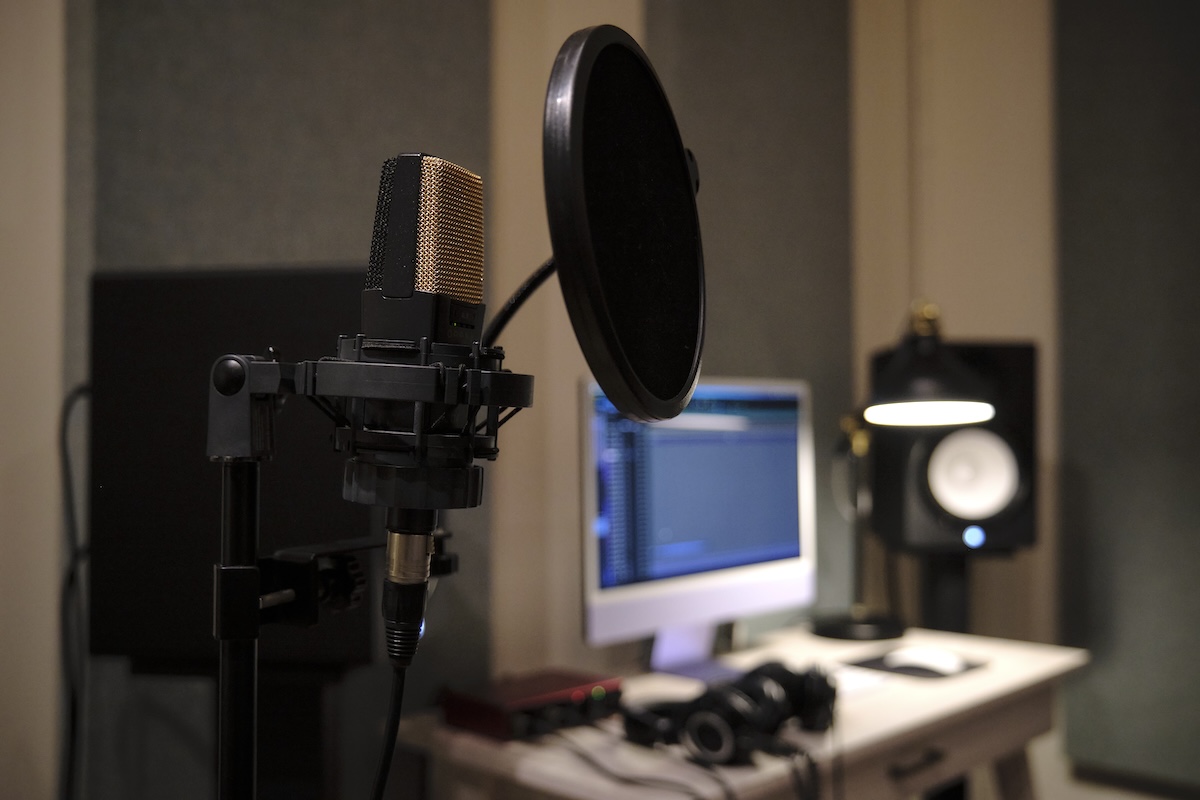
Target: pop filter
{"type": "Point", "coordinates": [620, 197]}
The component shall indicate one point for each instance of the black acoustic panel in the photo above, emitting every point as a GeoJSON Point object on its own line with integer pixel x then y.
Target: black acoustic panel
{"type": "Point", "coordinates": [155, 497]}
{"type": "Point", "coordinates": [910, 514]}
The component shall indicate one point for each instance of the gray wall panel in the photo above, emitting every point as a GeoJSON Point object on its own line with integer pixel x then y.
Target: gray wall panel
{"type": "Point", "coordinates": [1129, 169]}
{"type": "Point", "coordinates": [234, 133]}
{"type": "Point", "coordinates": [760, 90]}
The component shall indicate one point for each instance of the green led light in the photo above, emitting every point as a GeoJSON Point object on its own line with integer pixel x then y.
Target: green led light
{"type": "Point", "coordinates": [598, 693]}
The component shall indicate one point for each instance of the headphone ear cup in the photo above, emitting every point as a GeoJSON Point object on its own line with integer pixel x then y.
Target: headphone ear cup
{"type": "Point", "coordinates": [728, 723]}
{"type": "Point", "coordinates": [710, 739]}
{"type": "Point", "coordinates": [810, 694]}
{"type": "Point", "coordinates": [720, 729]}
{"type": "Point", "coordinates": [770, 702]}
{"type": "Point", "coordinates": [820, 696]}
{"type": "Point", "coordinates": [653, 724]}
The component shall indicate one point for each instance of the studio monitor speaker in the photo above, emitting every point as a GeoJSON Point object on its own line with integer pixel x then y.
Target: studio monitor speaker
{"type": "Point", "coordinates": [963, 489]}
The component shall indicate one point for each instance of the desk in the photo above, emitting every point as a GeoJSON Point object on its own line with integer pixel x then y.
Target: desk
{"type": "Point", "coordinates": [894, 735]}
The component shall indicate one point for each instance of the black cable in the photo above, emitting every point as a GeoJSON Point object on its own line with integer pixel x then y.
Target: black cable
{"type": "Point", "coordinates": [72, 691]}
{"type": "Point", "coordinates": [390, 732]}
{"type": "Point", "coordinates": [518, 299]}
{"type": "Point", "coordinates": [726, 786]}
{"type": "Point", "coordinates": [838, 767]}
{"type": "Point", "coordinates": [72, 613]}
{"type": "Point", "coordinates": [804, 776]}
{"type": "Point", "coordinates": [646, 781]}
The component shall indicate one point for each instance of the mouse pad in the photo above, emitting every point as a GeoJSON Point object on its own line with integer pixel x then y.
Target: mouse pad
{"type": "Point", "coordinates": [917, 672]}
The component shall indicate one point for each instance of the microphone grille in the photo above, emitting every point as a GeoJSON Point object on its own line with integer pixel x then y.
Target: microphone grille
{"type": "Point", "coordinates": [450, 231]}
{"type": "Point", "coordinates": [429, 224]}
{"type": "Point", "coordinates": [383, 210]}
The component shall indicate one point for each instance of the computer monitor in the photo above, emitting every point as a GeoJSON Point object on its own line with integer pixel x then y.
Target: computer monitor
{"type": "Point", "coordinates": [698, 520]}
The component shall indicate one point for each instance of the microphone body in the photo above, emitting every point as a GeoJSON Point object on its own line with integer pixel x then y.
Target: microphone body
{"type": "Point", "coordinates": [425, 276]}
{"type": "Point", "coordinates": [421, 307]}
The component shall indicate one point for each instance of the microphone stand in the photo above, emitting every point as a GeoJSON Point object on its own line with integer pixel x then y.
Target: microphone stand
{"type": "Point", "coordinates": [236, 628]}
{"type": "Point", "coordinates": [422, 469]}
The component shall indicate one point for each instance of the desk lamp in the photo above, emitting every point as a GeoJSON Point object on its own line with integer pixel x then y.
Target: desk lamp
{"type": "Point", "coordinates": [860, 622]}
{"type": "Point", "coordinates": [922, 385]}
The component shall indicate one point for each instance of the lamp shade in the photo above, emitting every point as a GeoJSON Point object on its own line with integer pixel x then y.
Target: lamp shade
{"type": "Point", "coordinates": [924, 385]}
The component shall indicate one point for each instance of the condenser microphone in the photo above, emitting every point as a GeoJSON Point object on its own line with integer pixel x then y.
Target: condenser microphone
{"type": "Point", "coordinates": [425, 275]}
{"type": "Point", "coordinates": [422, 306]}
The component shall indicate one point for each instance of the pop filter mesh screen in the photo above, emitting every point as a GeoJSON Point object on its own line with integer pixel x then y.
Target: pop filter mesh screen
{"type": "Point", "coordinates": [641, 213]}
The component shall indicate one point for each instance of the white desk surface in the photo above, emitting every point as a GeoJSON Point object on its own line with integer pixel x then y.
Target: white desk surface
{"type": "Point", "coordinates": [877, 715]}
{"type": "Point", "coordinates": [879, 707]}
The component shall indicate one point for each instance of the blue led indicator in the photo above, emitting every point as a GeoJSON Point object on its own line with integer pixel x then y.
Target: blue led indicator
{"type": "Point", "coordinates": [421, 633]}
{"type": "Point", "coordinates": [974, 537]}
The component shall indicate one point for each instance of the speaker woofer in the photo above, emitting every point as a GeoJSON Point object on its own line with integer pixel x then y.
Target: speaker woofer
{"type": "Point", "coordinates": [973, 474]}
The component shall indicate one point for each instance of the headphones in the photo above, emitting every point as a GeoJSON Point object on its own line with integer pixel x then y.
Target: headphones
{"type": "Point", "coordinates": [732, 721]}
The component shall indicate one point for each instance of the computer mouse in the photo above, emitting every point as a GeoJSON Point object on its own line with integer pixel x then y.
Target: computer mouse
{"type": "Point", "coordinates": [933, 659]}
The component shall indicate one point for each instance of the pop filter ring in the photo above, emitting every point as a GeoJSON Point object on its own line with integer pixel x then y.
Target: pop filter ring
{"type": "Point", "coordinates": [635, 392]}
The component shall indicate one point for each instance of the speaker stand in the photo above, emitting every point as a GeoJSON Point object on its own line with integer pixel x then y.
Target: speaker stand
{"type": "Point", "coordinates": [945, 598]}
{"type": "Point", "coordinates": [945, 607]}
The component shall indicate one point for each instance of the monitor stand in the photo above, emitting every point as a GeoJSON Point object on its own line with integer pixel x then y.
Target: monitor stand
{"type": "Point", "coordinates": [687, 650]}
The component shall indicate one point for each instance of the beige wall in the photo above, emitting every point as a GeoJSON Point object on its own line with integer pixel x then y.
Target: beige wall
{"type": "Point", "coordinates": [981, 227]}
{"type": "Point", "coordinates": [32, 155]}
{"type": "Point", "coordinates": [533, 488]}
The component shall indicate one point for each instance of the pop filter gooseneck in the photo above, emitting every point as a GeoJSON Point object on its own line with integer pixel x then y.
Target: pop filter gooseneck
{"type": "Point", "coordinates": [620, 200]}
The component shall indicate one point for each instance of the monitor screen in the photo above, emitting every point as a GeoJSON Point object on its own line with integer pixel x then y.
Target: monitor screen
{"type": "Point", "coordinates": [700, 519]}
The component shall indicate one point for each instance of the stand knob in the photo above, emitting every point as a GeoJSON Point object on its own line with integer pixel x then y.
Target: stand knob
{"type": "Point", "coordinates": [343, 583]}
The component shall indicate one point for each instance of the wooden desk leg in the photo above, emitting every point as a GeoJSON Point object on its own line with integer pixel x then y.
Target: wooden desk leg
{"type": "Point", "coordinates": [1013, 777]}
